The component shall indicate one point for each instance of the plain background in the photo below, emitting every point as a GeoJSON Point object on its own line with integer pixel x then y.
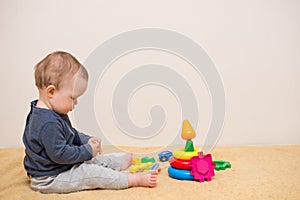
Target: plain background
{"type": "Point", "coordinates": [255, 45]}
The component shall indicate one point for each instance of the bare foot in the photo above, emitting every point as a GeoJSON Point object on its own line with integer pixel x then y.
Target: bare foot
{"type": "Point", "coordinates": [142, 179]}
{"type": "Point", "coordinates": [126, 161]}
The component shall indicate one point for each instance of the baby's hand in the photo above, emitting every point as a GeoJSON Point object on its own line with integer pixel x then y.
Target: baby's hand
{"type": "Point", "coordinates": [98, 140]}
{"type": "Point", "coordinates": [96, 145]}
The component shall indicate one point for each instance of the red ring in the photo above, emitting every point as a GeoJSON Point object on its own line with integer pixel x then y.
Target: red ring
{"type": "Point", "coordinates": [179, 164]}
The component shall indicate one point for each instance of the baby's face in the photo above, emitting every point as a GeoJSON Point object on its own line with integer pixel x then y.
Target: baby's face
{"type": "Point", "coordinates": [65, 99]}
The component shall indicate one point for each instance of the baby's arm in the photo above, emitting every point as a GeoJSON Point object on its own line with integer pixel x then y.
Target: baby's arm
{"type": "Point", "coordinates": [86, 139]}
{"type": "Point", "coordinates": [83, 137]}
{"type": "Point", "coordinates": [52, 137]}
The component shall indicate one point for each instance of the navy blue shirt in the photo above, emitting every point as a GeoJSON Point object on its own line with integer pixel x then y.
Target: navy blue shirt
{"type": "Point", "coordinates": [52, 145]}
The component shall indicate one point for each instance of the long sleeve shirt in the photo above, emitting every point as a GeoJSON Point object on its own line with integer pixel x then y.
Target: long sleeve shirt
{"type": "Point", "coordinates": [52, 145]}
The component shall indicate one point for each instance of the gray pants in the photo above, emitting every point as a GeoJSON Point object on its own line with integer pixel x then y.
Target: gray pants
{"type": "Point", "coordinates": [102, 171]}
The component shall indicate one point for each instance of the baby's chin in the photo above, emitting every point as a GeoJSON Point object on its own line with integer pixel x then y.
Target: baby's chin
{"type": "Point", "coordinates": [65, 113]}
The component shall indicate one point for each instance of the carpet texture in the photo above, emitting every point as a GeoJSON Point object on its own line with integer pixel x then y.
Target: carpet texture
{"type": "Point", "coordinates": [257, 172]}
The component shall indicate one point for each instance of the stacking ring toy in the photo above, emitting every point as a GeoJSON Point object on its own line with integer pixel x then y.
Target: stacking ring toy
{"type": "Point", "coordinates": [179, 164]}
{"type": "Point", "coordinates": [180, 174]}
{"type": "Point", "coordinates": [181, 154]}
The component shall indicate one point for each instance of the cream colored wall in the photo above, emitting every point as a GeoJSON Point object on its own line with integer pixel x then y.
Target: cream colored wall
{"type": "Point", "coordinates": [255, 45]}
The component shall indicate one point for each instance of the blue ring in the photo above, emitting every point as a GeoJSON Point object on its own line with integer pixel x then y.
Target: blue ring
{"type": "Point", "coordinates": [180, 174]}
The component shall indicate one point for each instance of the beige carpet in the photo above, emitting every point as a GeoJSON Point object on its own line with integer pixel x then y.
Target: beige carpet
{"type": "Point", "coordinates": [258, 172]}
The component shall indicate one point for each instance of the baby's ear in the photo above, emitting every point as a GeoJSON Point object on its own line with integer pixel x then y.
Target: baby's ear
{"type": "Point", "coordinates": [50, 90]}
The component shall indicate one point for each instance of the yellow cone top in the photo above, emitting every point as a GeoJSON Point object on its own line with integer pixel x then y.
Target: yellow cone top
{"type": "Point", "coordinates": [187, 132]}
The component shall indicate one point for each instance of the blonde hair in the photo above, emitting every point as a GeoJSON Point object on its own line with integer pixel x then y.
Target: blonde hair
{"type": "Point", "coordinates": [56, 67]}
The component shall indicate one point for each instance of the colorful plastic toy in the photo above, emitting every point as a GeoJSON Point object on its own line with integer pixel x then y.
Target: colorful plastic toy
{"type": "Point", "coordinates": [144, 164]}
{"type": "Point", "coordinates": [155, 167]}
{"type": "Point", "coordinates": [165, 155]}
{"type": "Point", "coordinates": [180, 174]}
{"type": "Point", "coordinates": [190, 163]}
{"type": "Point", "coordinates": [146, 159]}
{"type": "Point", "coordinates": [140, 167]}
{"type": "Point", "coordinates": [202, 167]}
{"type": "Point", "coordinates": [136, 161]}
{"type": "Point", "coordinates": [179, 164]}
{"type": "Point", "coordinates": [221, 165]}
{"type": "Point", "coordinates": [184, 155]}
{"type": "Point", "coordinates": [188, 133]}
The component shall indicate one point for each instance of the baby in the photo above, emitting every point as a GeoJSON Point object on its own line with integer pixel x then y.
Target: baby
{"type": "Point", "coordinates": [60, 159]}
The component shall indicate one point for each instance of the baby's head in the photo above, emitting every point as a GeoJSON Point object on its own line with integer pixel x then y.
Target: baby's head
{"type": "Point", "coordinates": [60, 79]}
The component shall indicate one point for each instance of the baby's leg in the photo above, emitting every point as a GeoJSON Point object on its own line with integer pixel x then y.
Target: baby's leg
{"type": "Point", "coordinates": [142, 179]}
{"type": "Point", "coordinates": [114, 161]}
{"type": "Point", "coordinates": [84, 177]}
{"type": "Point", "coordinates": [126, 160]}
{"type": "Point", "coordinates": [92, 176]}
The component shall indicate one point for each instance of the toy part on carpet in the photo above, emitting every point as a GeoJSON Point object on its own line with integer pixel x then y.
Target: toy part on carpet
{"type": "Point", "coordinates": [144, 164]}
{"type": "Point", "coordinates": [190, 163]}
